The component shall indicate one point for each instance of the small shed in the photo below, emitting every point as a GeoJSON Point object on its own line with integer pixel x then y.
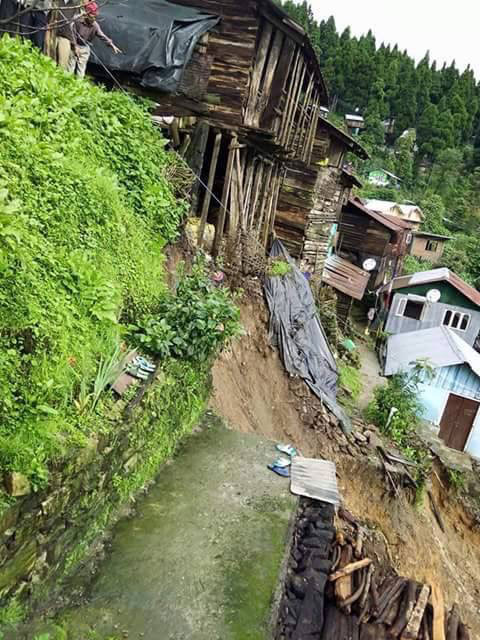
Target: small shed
{"type": "Point", "coordinates": [428, 246]}
{"type": "Point", "coordinates": [355, 123]}
{"type": "Point", "coordinates": [451, 399]}
{"type": "Point", "coordinates": [430, 299]}
{"type": "Point", "coordinates": [367, 235]}
{"type": "Point", "coordinates": [349, 281]}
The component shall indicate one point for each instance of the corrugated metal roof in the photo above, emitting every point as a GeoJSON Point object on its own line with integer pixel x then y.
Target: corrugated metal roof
{"type": "Point", "coordinates": [390, 222]}
{"type": "Point", "coordinates": [345, 277]}
{"type": "Point", "coordinates": [440, 347]}
{"type": "Point", "coordinates": [315, 479]}
{"type": "Point", "coordinates": [437, 275]}
{"type": "Point", "coordinates": [425, 234]}
{"type": "Point", "coordinates": [405, 224]}
{"type": "Point", "coordinates": [387, 207]}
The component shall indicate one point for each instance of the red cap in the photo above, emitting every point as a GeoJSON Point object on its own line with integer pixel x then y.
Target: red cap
{"type": "Point", "coordinates": [91, 8]}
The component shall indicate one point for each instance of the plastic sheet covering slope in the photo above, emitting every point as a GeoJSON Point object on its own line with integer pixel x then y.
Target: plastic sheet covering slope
{"type": "Point", "coordinates": [157, 39]}
{"type": "Point", "coordinates": [296, 330]}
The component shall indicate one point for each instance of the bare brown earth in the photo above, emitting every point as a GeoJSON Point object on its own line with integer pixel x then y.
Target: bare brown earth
{"type": "Point", "coordinates": [254, 394]}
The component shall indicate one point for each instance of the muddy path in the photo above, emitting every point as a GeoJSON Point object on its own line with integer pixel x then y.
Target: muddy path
{"type": "Point", "coordinates": [252, 392]}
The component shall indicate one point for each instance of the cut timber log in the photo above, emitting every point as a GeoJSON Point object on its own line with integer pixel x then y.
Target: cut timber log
{"type": "Point", "coordinates": [359, 542]}
{"type": "Point", "coordinates": [413, 627]}
{"type": "Point", "coordinates": [343, 586]}
{"type": "Point", "coordinates": [349, 569]}
{"type": "Point", "coordinates": [406, 611]}
{"type": "Point", "coordinates": [438, 614]}
{"type": "Point", "coordinates": [356, 595]}
{"type": "Point", "coordinates": [436, 512]}
{"type": "Point", "coordinates": [453, 623]}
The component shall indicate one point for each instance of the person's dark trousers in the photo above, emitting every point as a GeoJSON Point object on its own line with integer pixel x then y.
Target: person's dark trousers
{"type": "Point", "coordinates": [33, 27]}
{"type": "Point", "coordinates": [8, 9]}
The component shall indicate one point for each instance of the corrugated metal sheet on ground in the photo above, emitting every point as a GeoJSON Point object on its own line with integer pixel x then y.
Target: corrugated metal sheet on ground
{"type": "Point", "coordinates": [315, 479]}
{"type": "Point", "coordinates": [345, 277]}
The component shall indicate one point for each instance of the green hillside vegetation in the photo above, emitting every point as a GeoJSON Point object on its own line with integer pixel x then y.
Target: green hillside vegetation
{"type": "Point", "coordinates": [438, 159]}
{"type": "Point", "coordinates": [88, 199]}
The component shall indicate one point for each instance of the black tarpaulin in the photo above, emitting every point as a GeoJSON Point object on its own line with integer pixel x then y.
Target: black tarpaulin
{"type": "Point", "coordinates": [296, 329]}
{"type": "Point", "coordinates": [157, 39]}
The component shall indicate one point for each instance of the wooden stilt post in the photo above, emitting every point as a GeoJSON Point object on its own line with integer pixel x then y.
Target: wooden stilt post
{"type": "Point", "coordinates": [220, 226]}
{"type": "Point", "coordinates": [208, 192]}
{"type": "Point", "coordinates": [195, 159]}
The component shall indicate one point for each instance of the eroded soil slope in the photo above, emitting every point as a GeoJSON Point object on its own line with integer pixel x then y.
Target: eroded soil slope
{"type": "Point", "coordinates": [253, 393]}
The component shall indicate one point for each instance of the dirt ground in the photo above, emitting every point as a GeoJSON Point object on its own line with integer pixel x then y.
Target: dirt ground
{"type": "Point", "coordinates": [254, 394]}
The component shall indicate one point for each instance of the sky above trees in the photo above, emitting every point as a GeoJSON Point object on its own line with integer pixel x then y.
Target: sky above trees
{"type": "Point", "coordinates": [448, 29]}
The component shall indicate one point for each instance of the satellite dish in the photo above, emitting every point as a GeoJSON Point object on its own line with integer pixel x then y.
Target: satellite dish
{"type": "Point", "coordinates": [369, 265]}
{"type": "Point", "coordinates": [434, 295]}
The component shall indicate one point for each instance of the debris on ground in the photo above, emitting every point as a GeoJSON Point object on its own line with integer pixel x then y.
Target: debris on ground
{"type": "Point", "coordinates": [334, 590]}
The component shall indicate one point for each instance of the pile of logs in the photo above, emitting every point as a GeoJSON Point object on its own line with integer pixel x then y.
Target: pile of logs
{"type": "Point", "coordinates": [364, 606]}
{"type": "Point", "coordinates": [333, 591]}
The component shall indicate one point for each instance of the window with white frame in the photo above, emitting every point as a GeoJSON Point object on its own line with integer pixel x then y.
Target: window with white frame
{"type": "Point", "coordinates": [456, 320]}
{"type": "Point", "coordinates": [410, 308]}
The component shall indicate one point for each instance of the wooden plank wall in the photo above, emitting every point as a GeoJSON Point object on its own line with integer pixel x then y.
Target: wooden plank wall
{"type": "Point", "coordinates": [231, 46]}
{"type": "Point", "coordinates": [296, 200]}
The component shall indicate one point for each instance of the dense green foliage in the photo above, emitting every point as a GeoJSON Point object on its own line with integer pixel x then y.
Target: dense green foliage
{"type": "Point", "coordinates": [397, 410]}
{"type": "Point", "coordinates": [435, 144]}
{"type": "Point", "coordinates": [194, 323]}
{"type": "Point", "coordinates": [87, 202]}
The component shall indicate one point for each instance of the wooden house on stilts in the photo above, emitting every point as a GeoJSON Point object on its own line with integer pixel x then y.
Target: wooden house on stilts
{"type": "Point", "coordinates": [247, 118]}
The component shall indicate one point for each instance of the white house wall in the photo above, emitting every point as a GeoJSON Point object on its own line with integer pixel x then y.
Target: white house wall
{"type": "Point", "coordinates": [432, 317]}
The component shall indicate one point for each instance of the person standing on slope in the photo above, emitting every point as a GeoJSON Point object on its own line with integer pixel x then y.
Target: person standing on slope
{"type": "Point", "coordinates": [85, 30]}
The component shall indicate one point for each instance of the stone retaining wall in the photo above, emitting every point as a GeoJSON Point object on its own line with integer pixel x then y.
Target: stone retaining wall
{"type": "Point", "coordinates": [45, 536]}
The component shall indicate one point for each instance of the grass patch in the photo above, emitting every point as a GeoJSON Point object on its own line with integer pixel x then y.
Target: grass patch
{"type": "Point", "coordinates": [251, 571]}
{"type": "Point", "coordinates": [351, 380]}
{"type": "Point", "coordinates": [279, 267]}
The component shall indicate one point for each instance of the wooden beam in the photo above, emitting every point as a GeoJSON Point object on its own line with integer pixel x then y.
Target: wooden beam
{"type": "Point", "coordinates": [220, 226]}
{"type": "Point", "coordinates": [279, 84]}
{"type": "Point", "coordinates": [268, 77]}
{"type": "Point", "coordinates": [257, 72]}
{"type": "Point", "coordinates": [234, 217]}
{"type": "Point", "coordinates": [293, 115]}
{"type": "Point", "coordinates": [208, 193]}
{"type": "Point", "coordinates": [288, 102]}
{"type": "Point", "coordinates": [256, 190]}
{"type": "Point", "coordinates": [263, 201]}
{"type": "Point", "coordinates": [304, 115]}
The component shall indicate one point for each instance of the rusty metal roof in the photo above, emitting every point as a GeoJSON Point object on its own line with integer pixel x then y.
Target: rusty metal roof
{"type": "Point", "coordinates": [345, 277]}
{"type": "Point", "coordinates": [438, 275]}
{"type": "Point", "coordinates": [390, 222]}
